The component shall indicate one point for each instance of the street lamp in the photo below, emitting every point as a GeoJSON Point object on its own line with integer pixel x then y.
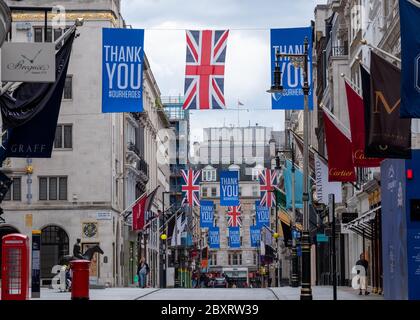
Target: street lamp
{"type": "Point", "coordinates": [301, 61]}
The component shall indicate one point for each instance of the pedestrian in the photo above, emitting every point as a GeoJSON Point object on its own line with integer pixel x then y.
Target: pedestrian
{"type": "Point", "coordinates": [142, 271]}
{"type": "Point", "coordinates": [194, 279]}
{"type": "Point", "coordinates": [363, 277]}
{"type": "Point", "coordinates": [202, 280]}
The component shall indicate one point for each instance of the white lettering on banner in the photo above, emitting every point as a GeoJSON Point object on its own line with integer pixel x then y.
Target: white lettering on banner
{"type": "Point", "coordinates": [123, 67]}
{"type": "Point", "coordinates": [214, 237]}
{"type": "Point", "coordinates": [235, 237]}
{"type": "Point", "coordinates": [230, 191]}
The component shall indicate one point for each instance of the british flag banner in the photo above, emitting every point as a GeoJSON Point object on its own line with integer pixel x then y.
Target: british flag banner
{"type": "Point", "coordinates": [191, 187]}
{"type": "Point", "coordinates": [234, 216]}
{"type": "Point", "coordinates": [205, 69]}
{"type": "Point", "coordinates": [268, 179]}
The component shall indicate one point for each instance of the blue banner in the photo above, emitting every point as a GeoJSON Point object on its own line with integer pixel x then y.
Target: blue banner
{"type": "Point", "coordinates": [122, 70]}
{"type": "Point", "coordinates": [262, 214]}
{"type": "Point", "coordinates": [410, 57]}
{"type": "Point", "coordinates": [255, 235]}
{"type": "Point", "coordinates": [234, 237]}
{"type": "Point", "coordinates": [229, 188]}
{"type": "Point", "coordinates": [288, 176]}
{"type": "Point", "coordinates": [214, 238]}
{"type": "Point", "coordinates": [290, 41]}
{"type": "Point", "coordinates": [206, 214]}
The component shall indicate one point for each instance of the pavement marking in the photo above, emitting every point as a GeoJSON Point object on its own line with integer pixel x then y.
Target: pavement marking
{"type": "Point", "coordinates": [151, 292]}
{"type": "Point", "coordinates": [272, 291]}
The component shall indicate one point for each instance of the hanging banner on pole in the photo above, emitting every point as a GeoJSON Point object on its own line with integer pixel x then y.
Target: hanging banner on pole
{"type": "Point", "coordinates": [291, 41]}
{"type": "Point", "coordinates": [323, 186]}
{"type": "Point", "coordinates": [234, 237]}
{"type": "Point", "coordinates": [410, 57]}
{"type": "Point", "coordinates": [229, 188]}
{"type": "Point", "coordinates": [206, 214]}
{"type": "Point", "coordinates": [122, 70]}
{"type": "Point", "coordinates": [214, 238]}
{"type": "Point", "coordinates": [255, 235]}
{"type": "Point", "coordinates": [262, 214]}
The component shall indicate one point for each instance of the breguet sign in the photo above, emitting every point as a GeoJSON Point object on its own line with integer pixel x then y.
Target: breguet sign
{"type": "Point", "coordinates": [28, 62]}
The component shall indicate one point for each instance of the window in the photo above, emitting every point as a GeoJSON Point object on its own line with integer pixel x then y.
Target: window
{"type": "Point", "coordinates": [15, 191]}
{"type": "Point", "coordinates": [39, 34]}
{"type": "Point", "coordinates": [255, 258]}
{"type": "Point", "coordinates": [204, 192]}
{"type": "Point", "coordinates": [240, 191]}
{"type": "Point", "coordinates": [68, 88]}
{"type": "Point", "coordinates": [235, 259]}
{"type": "Point", "coordinates": [209, 174]}
{"type": "Point", "coordinates": [52, 188]}
{"type": "Point", "coordinates": [215, 220]}
{"type": "Point", "coordinates": [213, 259]}
{"type": "Point", "coordinates": [256, 191]}
{"type": "Point", "coordinates": [63, 136]}
{"type": "Point", "coordinates": [213, 191]}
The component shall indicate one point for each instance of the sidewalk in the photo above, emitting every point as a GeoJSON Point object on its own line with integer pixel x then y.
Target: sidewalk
{"type": "Point", "coordinates": [323, 293]}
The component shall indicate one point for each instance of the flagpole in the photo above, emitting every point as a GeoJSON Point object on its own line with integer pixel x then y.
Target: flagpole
{"type": "Point", "coordinates": [352, 84]}
{"type": "Point", "coordinates": [326, 110]}
{"type": "Point", "coordinates": [131, 205]}
{"type": "Point", "coordinates": [364, 42]}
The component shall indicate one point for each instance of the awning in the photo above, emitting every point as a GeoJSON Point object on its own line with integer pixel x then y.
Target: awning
{"type": "Point", "coordinates": [363, 224]}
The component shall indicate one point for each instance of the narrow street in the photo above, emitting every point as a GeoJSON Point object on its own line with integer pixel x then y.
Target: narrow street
{"type": "Point", "coordinates": [283, 293]}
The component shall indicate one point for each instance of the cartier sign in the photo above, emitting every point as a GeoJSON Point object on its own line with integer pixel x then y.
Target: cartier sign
{"type": "Point", "coordinates": [28, 62]}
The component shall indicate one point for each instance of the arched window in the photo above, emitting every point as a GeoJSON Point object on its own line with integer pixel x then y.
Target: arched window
{"type": "Point", "coordinates": [54, 245]}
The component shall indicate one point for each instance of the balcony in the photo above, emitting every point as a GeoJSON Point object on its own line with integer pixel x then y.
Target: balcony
{"type": "Point", "coordinates": [143, 167]}
{"type": "Point", "coordinates": [132, 152]}
{"type": "Point", "coordinates": [339, 51]}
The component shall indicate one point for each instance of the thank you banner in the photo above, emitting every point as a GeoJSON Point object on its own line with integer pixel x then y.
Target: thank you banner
{"type": "Point", "coordinates": [234, 237]}
{"type": "Point", "coordinates": [214, 238]}
{"type": "Point", "coordinates": [291, 41]}
{"type": "Point", "coordinates": [262, 215]}
{"type": "Point", "coordinates": [229, 188]}
{"type": "Point", "coordinates": [206, 213]}
{"type": "Point", "coordinates": [255, 235]}
{"type": "Point", "coordinates": [122, 70]}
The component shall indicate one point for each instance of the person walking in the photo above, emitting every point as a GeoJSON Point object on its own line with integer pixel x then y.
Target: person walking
{"type": "Point", "coordinates": [142, 271]}
{"type": "Point", "coordinates": [363, 277]}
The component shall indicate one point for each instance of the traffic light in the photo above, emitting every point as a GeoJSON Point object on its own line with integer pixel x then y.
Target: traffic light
{"type": "Point", "coordinates": [5, 183]}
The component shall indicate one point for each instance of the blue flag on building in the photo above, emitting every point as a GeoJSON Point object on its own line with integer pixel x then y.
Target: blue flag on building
{"type": "Point", "coordinates": [410, 57]}
{"type": "Point", "coordinates": [229, 188]}
{"type": "Point", "coordinates": [262, 215]}
{"type": "Point", "coordinates": [122, 70]}
{"type": "Point", "coordinates": [214, 238]}
{"type": "Point", "coordinates": [206, 214]}
{"type": "Point", "coordinates": [234, 237]}
{"type": "Point", "coordinates": [291, 41]}
{"type": "Point", "coordinates": [255, 235]}
{"type": "Point", "coordinates": [288, 175]}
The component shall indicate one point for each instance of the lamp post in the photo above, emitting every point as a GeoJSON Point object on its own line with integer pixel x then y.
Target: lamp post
{"type": "Point", "coordinates": [301, 60]}
{"type": "Point", "coordinates": [163, 238]}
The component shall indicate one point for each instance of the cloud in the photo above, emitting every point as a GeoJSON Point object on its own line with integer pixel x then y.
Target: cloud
{"type": "Point", "coordinates": [247, 75]}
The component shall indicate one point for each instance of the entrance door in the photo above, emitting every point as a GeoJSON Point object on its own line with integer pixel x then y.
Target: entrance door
{"type": "Point", "coordinates": [4, 231]}
{"type": "Point", "coordinates": [54, 245]}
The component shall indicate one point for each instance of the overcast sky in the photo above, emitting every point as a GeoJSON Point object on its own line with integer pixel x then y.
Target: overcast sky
{"type": "Point", "coordinates": [247, 74]}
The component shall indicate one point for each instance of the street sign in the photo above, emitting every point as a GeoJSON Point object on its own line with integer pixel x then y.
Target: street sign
{"type": "Point", "coordinates": [28, 62]}
{"type": "Point", "coordinates": [321, 237]}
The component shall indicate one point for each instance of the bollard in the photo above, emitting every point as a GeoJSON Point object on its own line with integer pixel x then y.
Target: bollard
{"type": "Point", "coordinates": [80, 279]}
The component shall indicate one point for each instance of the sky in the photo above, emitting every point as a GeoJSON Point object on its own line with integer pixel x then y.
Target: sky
{"type": "Point", "coordinates": [247, 68]}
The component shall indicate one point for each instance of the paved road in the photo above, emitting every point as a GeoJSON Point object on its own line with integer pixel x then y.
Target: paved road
{"type": "Point", "coordinates": [283, 293]}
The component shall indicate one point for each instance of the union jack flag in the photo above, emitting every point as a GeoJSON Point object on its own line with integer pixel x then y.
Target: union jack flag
{"type": "Point", "coordinates": [268, 180]}
{"type": "Point", "coordinates": [205, 69]}
{"type": "Point", "coordinates": [191, 188]}
{"type": "Point", "coordinates": [234, 216]}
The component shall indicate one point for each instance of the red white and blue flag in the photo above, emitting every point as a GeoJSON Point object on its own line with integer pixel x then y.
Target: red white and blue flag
{"type": "Point", "coordinates": [191, 187]}
{"type": "Point", "coordinates": [268, 179]}
{"type": "Point", "coordinates": [234, 216]}
{"type": "Point", "coordinates": [205, 69]}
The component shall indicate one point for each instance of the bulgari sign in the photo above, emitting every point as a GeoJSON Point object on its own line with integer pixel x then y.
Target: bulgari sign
{"type": "Point", "coordinates": [28, 62]}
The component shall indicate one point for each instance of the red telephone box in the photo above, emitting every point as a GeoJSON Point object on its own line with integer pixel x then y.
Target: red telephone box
{"type": "Point", "coordinates": [15, 267]}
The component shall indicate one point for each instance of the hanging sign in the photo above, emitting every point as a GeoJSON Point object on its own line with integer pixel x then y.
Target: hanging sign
{"type": "Point", "coordinates": [122, 70]}
{"type": "Point", "coordinates": [262, 214]}
{"type": "Point", "coordinates": [229, 188]}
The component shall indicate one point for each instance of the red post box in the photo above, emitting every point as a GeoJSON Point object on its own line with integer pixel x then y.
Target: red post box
{"type": "Point", "coordinates": [80, 279]}
{"type": "Point", "coordinates": [15, 267]}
